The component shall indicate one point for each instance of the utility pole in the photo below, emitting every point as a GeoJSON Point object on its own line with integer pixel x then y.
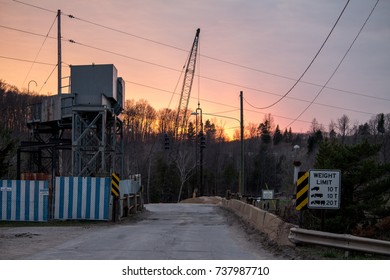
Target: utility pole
{"type": "Point", "coordinates": [59, 63]}
{"type": "Point", "coordinates": [199, 150]}
{"type": "Point", "coordinates": [59, 90]}
{"type": "Point", "coordinates": [242, 181]}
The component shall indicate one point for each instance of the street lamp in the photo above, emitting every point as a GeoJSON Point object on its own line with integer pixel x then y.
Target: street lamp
{"type": "Point", "coordinates": [297, 165]}
{"type": "Point", "coordinates": [214, 115]}
{"type": "Point", "coordinates": [28, 86]}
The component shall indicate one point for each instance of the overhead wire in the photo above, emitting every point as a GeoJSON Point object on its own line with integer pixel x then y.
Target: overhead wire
{"type": "Point", "coordinates": [122, 55]}
{"type": "Point", "coordinates": [235, 108]}
{"type": "Point", "coordinates": [26, 60]}
{"type": "Point", "coordinates": [199, 76]}
{"type": "Point", "coordinates": [308, 67]}
{"type": "Point", "coordinates": [238, 65]}
{"type": "Point", "coordinates": [27, 32]}
{"type": "Point", "coordinates": [177, 84]}
{"type": "Point", "coordinates": [181, 71]}
{"type": "Point", "coordinates": [168, 91]}
{"type": "Point", "coordinates": [203, 55]}
{"type": "Point", "coordinates": [338, 66]}
{"type": "Point", "coordinates": [34, 6]}
{"type": "Point", "coordinates": [39, 51]}
{"type": "Point", "coordinates": [51, 73]}
{"type": "Point", "coordinates": [217, 59]}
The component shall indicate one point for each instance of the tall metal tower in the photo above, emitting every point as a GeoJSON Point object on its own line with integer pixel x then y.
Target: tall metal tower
{"type": "Point", "coordinates": [182, 114]}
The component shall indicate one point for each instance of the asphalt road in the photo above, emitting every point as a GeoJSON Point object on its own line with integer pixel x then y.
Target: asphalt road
{"type": "Point", "coordinates": [165, 232]}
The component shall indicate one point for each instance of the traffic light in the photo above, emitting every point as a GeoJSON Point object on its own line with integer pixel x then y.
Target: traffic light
{"type": "Point", "coordinates": [202, 140]}
{"type": "Point", "coordinates": [166, 142]}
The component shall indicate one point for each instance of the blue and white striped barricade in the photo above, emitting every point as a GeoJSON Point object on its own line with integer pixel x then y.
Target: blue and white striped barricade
{"type": "Point", "coordinates": [24, 200]}
{"type": "Point", "coordinates": [82, 198]}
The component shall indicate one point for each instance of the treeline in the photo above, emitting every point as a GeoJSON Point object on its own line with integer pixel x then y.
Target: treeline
{"type": "Point", "coordinates": [268, 150]}
{"type": "Point", "coordinates": [14, 108]}
{"type": "Point", "coordinates": [360, 151]}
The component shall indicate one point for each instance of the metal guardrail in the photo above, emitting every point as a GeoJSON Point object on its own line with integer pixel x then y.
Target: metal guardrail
{"type": "Point", "coordinates": [344, 241]}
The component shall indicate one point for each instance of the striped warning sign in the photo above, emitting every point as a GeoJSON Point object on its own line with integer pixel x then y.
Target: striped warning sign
{"type": "Point", "coordinates": [302, 191]}
{"type": "Point", "coordinates": [115, 184]}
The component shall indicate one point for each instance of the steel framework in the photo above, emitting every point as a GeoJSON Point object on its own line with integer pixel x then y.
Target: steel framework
{"type": "Point", "coordinates": [97, 141]}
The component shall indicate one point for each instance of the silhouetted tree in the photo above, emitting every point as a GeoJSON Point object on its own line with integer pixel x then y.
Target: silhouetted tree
{"type": "Point", "coordinates": [343, 126]}
{"type": "Point", "coordinates": [7, 149]}
{"type": "Point", "coordinates": [277, 138]}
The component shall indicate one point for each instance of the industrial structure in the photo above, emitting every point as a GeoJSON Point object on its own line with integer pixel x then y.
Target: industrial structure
{"type": "Point", "coordinates": [82, 128]}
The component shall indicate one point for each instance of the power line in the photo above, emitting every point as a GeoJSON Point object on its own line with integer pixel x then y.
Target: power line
{"type": "Point", "coordinates": [55, 67]}
{"type": "Point", "coordinates": [123, 55]}
{"type": "Point", "coordinates": [203, 77]}
{"type": "Point", "coordinates": [238, 65]}
{"type": "Point", "coordinates": [338, 66]}
{"type": "Point", "coordinates": [39, 51]}
{"type": "Point", "coordinates": [236, 108]}
{"type": "Point", "coordinates": [168, 91]}
{"type": "Point", "coordinates": [224, 61]}
{"type": "Point", "coordinates": [205, 56]}
{"type": "Point", "coordinates": [27, 32]}
{"type": "Point", "coordinates": [178, 81]}
{"type": "Point", "coordinates": [25, 60]}
{"type": "Point", "coordinates": [34, 6]}
{"type": "Point", "coordinates": [307, 68]}
{"type": "Point", "coordinates": [176, 70]}
{"type": "Point", "coordinates": [217, 59]}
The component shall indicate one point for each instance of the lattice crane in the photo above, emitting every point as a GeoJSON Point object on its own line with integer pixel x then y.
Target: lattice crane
{"type": "Point", "coordinates": [181, 116]}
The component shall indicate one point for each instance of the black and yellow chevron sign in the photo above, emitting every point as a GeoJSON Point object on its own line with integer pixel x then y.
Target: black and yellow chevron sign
{"type": "Point", "coordinates": [302, 191]}
{"type": "Point", "coordinates": [115, 184]}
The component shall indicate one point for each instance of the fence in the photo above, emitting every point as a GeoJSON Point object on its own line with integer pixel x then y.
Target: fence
{"type": "Point", "coordinates": [82, 198]}
{"type": "Point", "coordinates": [72, 198]}
{"type": "Point", "coordinates": [23, 200]}
{"type": "Point", "coordinates": [131, 201]}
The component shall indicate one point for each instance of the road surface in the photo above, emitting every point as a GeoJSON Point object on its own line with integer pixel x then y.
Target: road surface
{"type": "Point", "coordinates": [165, 232]}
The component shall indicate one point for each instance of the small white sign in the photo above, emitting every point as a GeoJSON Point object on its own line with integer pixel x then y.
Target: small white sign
{"type": "Point", "coordinates": [267, 194]}
{"type": "Point", "coordinates": [6, 189]}
{"type": "Point", "coordinates": [44, 192]}
{"type": "Point", "coordinates": [324, 189]}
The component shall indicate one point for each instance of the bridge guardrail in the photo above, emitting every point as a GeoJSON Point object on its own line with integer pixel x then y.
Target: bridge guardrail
{"type": "Point", "coordinates": [287, 234]}
{"type": "Point", "coordinates": [343, 241]}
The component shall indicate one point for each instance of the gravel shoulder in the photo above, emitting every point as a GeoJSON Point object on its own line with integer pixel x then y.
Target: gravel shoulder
{"type": "Point", "coordinates": [21, 241]}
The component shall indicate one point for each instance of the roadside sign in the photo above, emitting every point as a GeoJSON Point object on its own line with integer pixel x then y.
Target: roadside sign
{"type": "Point", "coordinates": [302, 190]}
{"type": "Point", "coordinates": [115, 184]}
{"type": "Point", "coordinates": [324, 189]}
{"type": "Point", "coordinates": [267, 194]}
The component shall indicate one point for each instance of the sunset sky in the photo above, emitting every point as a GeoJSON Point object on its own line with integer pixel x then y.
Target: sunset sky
{"type": "Point", "coordinates": [259, 47]}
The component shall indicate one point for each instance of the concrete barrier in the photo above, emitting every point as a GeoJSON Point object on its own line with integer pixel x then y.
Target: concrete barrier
{"type": "Point", "coordinates": [275, 228]}
{"type": "Point", "coordinates": [253, 214]}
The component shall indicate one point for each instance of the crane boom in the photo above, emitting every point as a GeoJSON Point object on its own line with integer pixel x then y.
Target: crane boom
{"type": "Point", "coordinates": [181, 116]}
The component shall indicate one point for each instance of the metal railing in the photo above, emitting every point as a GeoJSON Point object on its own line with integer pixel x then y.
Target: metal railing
{"type": "Point", "coordinates": [343, 241]}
